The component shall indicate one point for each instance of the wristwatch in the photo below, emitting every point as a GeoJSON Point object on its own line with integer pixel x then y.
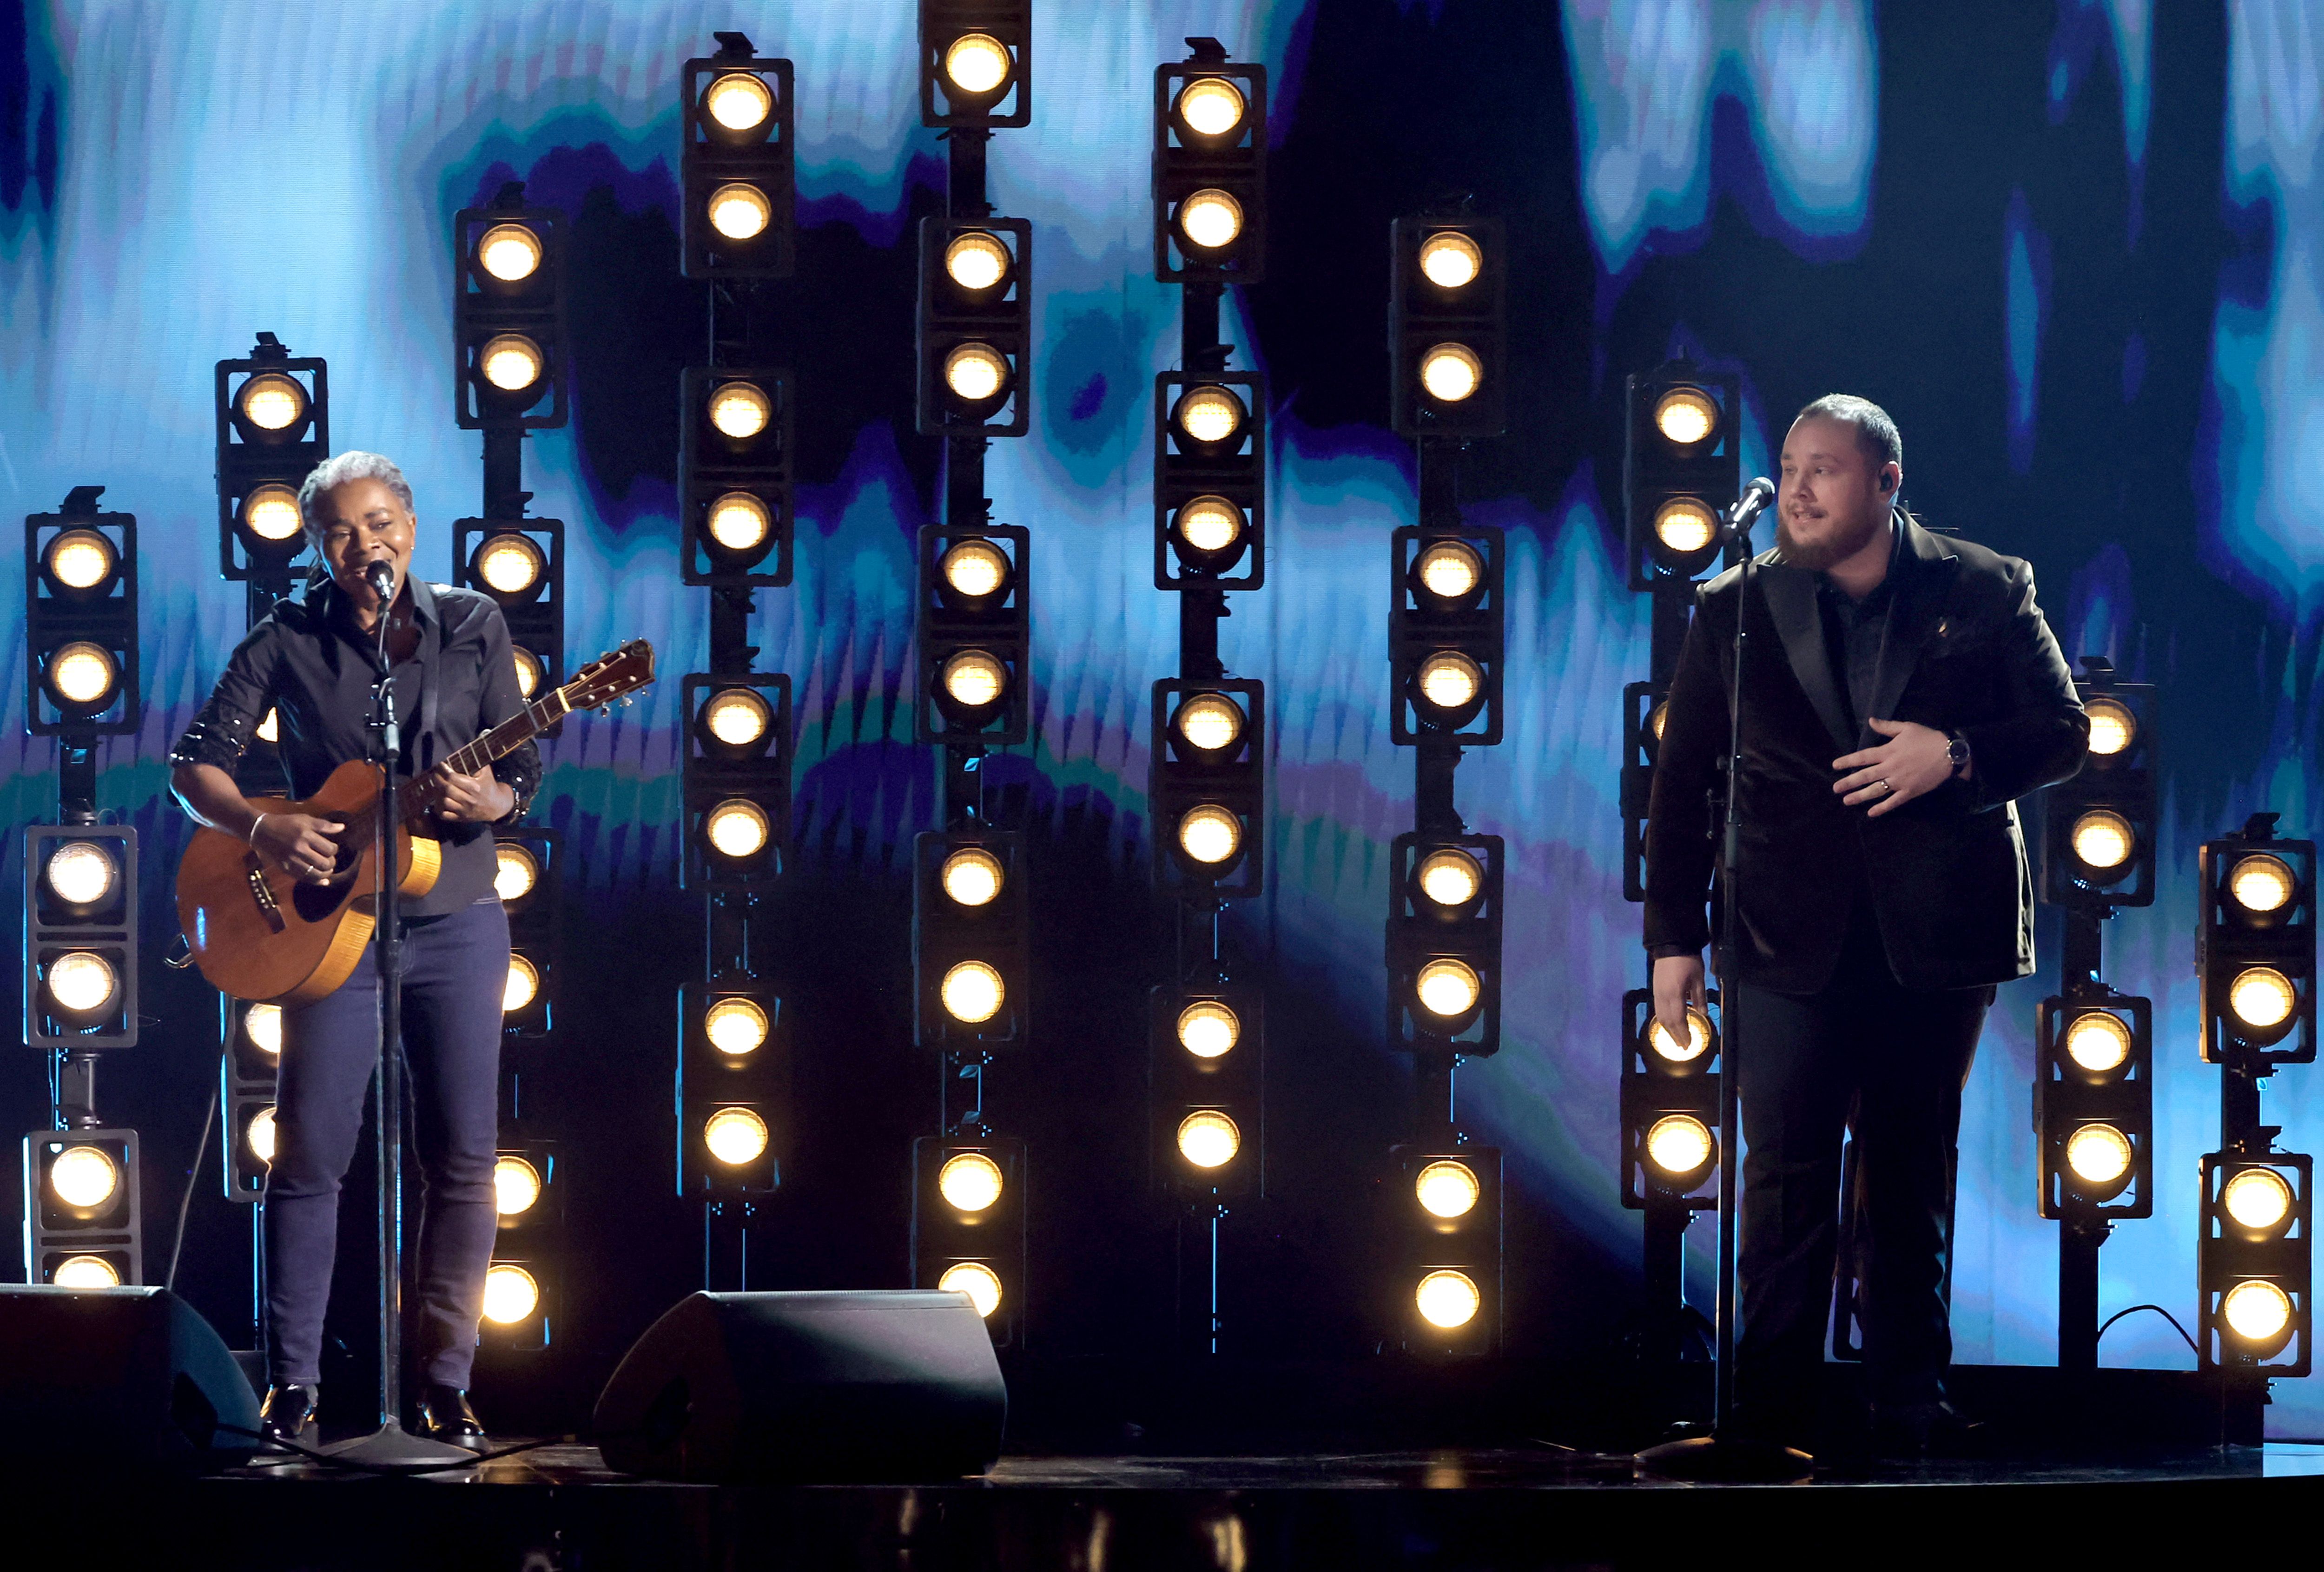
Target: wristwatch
{"type": "Point", "coordinates": [1957, 751]}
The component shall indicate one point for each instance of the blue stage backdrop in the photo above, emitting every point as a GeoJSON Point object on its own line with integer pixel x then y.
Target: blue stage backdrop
{"type": "Point", "coordinates": [2073, 248]}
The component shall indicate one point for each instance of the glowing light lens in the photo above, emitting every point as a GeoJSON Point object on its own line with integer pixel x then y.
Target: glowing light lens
{"type": "Point", "coordinates": [977, 63]}
{"type": "Point", "coordinates": [740, 521]}
{"type": "Point", "coordinates": [2258, 1199]}
{"type": "Point", "coordinates": [1447, 1189]}
{"type": "Point", "coordinates": [976, 1280]}
{"type": "Point", "coordinates": [740, 210]}
{"type": "Point", "coordinates": [1208, 1138]}
{"type": "Point", "coordinates": [969, 1182]}
{"type": "Point", "coordinates": [977, 261]}
{"type": "Point", "coordinates": [80, 872]}
{"type": "Point", "coordinates": [1449, 258]}
{"type": "Point", "coordinates": [1211, 106]}
{"type": "Point", "coordinates": [2261, 883]}
{"type": "Point", "coordinates": [523, 985]}
{"type": "Point", "coordinates": [2256, 1311]}
{"type": "Point", "coordinates": [1210, 834]}
{"type": "Point", "coordinates": [735, 1027]}
{"type": "Point", "coordinates": [528, 671]}
{"type": "Point", "coordinates": [1210, 524]}
{"type": "Point", "coordinates": [1447, 1300]}
{"type": "Point", "coordinates": [1678, 1144]}
{"type": "Point", "coordinates": [508, 565]}
{"type": "Point", "coordinates": [86, 1272]}
{"type": "Point", "coordinates": [516, 1186]}
{"type": "Point", "coordinates": [738, 717]}
{"type": "Point", "coordinates": [1451, 372]}
{"type": "Point", "coordinates": [1450, 878]}
{"type": "Point", "coordinates": [260, 1136]}
{"type": "Point", "coordinates": [1448, 988]}
{"type": "Point", "coordinates": [2262, 996]}
{"type": "Point", "coordinates": [1449, 680]}
{"type": "Point", "coordinates": [2098, 1042]}
{"type": "Point", "coordinates": [974, 679]}
{"type": "Point", "coordinates": [272, 513]}
{"type": "Point", "coordinates": [1685, 416]}
{"type": "Point", "coordinates": [84, 1177]}
{"type": "Point", "coordinates": [272, 402]}
{"type": "Point", "coordinates": [2113, 727]}
{"type": "Point", "coordinates": [2103, 842]}
{"type": "Point", "coordinates": [975, 373]}
{"type": "Point", "coordinates": [80, 559]}
{"type": "Point", "coordinates": [83, 673]}
{"type": "Point", "coordinates": [1210, 721]}
{"type": "Point", "coordinates": [739, 101]}
{"type": "Point", "coordinates": [972, 875]}
{"type": "Point", "coordinates": [511, 1294]}
{"type": "Point", "coordinates": [971, 992]}
{"type": "Point", "coordinates": [2097, 1154]}
{"type": "Point", "coordinates": [735, 1137]}
{"type": "Point", "coordinates": [263, 1025]}
{"type": "Point", "coordinates": [975, 568]}
{"type": "Point", "coordinates": [1207, 1030]}
{"type": "Point", "coordinates": [740, 410]}
{"type": "Point", "coordinates": [1210, 219]}
{"type": "Point", "coordinates": [1451, 569]}
{"type": "Point", "coordinates": [511, 253]}
{"type": "Point", "coordinates": [81, 983]}
{"type": "Point", "coordinates": [1670, 1050]}
{"type": "Point", "coordinates": [269, 729]}
{"type": "Point", "coordinates": [510, 362]}
{"type": "Point", "coordinates": [737, 828]}
{"type": "Point", "coordinates": [515, 871]}
{"type": "Point", "coordinates": [1684, 526]}
{"type": "Point", "coordinates": [1658, 719]}
{"type": "Point", "coordinates": [1209, 414]}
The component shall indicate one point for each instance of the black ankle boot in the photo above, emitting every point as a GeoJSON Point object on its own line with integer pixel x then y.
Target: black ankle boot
{"type": "Point", "coordinates": [289, 1413]}
{"type": "Point", "coordinates": [445, 1416]}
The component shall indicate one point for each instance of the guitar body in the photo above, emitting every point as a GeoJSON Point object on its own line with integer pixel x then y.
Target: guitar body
{"type": "Point", "coordinates": [259, 935]}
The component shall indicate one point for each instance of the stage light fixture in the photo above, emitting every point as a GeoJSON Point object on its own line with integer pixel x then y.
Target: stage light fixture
{"type": "Point", "coordinates": [259, 1135]}
{"type": "Point", "coordinates": [2103, 844]}
{"type": "Point", "coordinates": [1208, 724]}
{"type": "Point", "coordinates": [734, 1136]}
{"type": "Point", "coordinates": [2260, 884]}
{"type": "Point", "coordinates": [1451, 372]}
{"type": "Point", "coordinates": [973, 571]}
{"type": "Point", "coordinates": [1205, 1073]}
{"type": "Point", "coordinates": [84, 1178]}
{"type": "Point", "coordinates": [263, 1025]}
{"type": "Point", "coordinates": [2098, 1042]}
{"type": "Point", "coordinates": [1667, 1052]}
{"type": "Point", "coordinates": [508, 316]}
{"type": "Point", "coordinates": [1210, 836]}
{"type": "Point", "coordinates": [974, 681]}
{"type": "Point", "coordinates": [260, 466]}
{"type": "Point", "coordinates": [2100, 828]}
{"type": "Point", "coordinates": [737, 778]}
{"type": "Point", "coordinates": [734, 1066]}
{"type": "Point", "coordinates": [972, 875]}
{"type": "Point", "coordinates": [734, 468]}
{"type": "Point", "coordinates": [81, 1204]}
{"type": "Point", "coordinates": [80, 932]}
{"type": "Point", "coordinates": [86, 1272]}
{"type": "Point", "coordinates": [973, 326]}
{"type": "Point", "coordinates": [736, 171]}
{"type": "Point", "coordinates": [973, 641]}
{"type": "Point", "coordinates": [1680, 1149]}
{"type": "Point", "coordinates": [1670, 1121]}
{"type": "Point", "coordinates": [520, 564]}
{"type": "Point", "coordinates": [735, 1026]}
{"type": "Point", "coordinates": [1680, 472]}
{"type": "Point", "coordinates": [510, 253]}
{"type": "Point", "coordinates": [1210, 441]}
{"type": "Point", "coordinates": [1450, 576]}
{"type": "Point", "coordinates": [2258, 1200]}
{"type": "Point", "coordinates": [978, 262]}
{"type": "Point", "coordinates": [1447, 328]}
{"type": "Point", "coordinates": [80, 627]}
{"type": "Point", "coordinates": [80, 873]}
{"type": "Point", "coordinates": [529, 672]}
{"type": "Point", "coordinates": [969, 939]}
{"type": "Point", "coordinates": [972, 992]}
{"type": "Point", "coordinates": [1208, 1029]}
{"type": "Point", "coordinates": [2114, 727]}
{"type": "Point", "coordinates": [78, 562]}
{"type": "Point", "coordinates": [1448, 990]}
{"type": "Point", "coordinates": [528, 1263]}
{"type": "Point", "coordinates": [969, 1181]}
{"type": "Point", "coordinates": [1445, 650]}
{"type": "Point", "coordinates": [975, 63]}
{"type": "Point", "coordinates": [272, 404]}
{"type": "Point", "coordinates": [1450, 259]}
{"type": "Point", "coordinates": [2094, 1105]}
{"type": "Point", "coordinates": [511, 1294]}
{"type": "Point", "coordinates": [1447, 1189]}
{"type": "Point", "coordinates": [1210, 169]}
{"type": "Point", "coordinates": [976, 1280]}
{"type": "Point", "coordinates": [1209, 785]}
{"type": "Point", "coordinates": [2255, 949]}
{"type": "Point", "coordinates": [252, 1037]}
{"type": "Point", "coordinates": [2254, 1263]}
{"type": "Point", "coordinates": [2099, 1158]}
{"type": "Point", "coordinates": [516, 1185]}
{"type": "Point", "coordinates": [1208, 1138]}
{"type": "Point", "coordinates": [1447, 1300]}
{"type": "Point", "coordinates": [736, 722]}
{"type": "Point", "coordinates": [968, 1224]}
{"type": "Point", "coordinates": [1451, 880]}
{"type": "Point", "coordinates": [511, 362]}
{"type": "Point", "coordinates": [270, 513]}
{"type": "Point", "coordinates": [508, 564]}
{"type": "Point", "coordinates": [515, 872]}
{"type": "Point", "coordinates": [736, 828]}
{"type": "Point", "coordinates": [1448, 1211]}
{"type": "Point", "coordinates": [523, 984]}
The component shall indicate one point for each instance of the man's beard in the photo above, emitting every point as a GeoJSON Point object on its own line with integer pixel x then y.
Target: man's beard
{"type": "Point", "coordinates": [1817, 558]}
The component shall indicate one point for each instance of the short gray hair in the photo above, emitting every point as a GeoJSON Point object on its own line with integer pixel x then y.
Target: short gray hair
{"type": "Point", "coordinates": [1875, 433]}
{"type": "Point", "coordinates": [338, 470]}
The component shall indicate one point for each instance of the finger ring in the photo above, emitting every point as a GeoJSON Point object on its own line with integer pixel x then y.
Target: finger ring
{"type": "Point", "coordinates": [1885, 787]}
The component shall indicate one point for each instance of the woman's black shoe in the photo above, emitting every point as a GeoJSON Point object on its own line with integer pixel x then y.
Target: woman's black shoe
{"type": "Point", "coordinates": [445, 1416]}
{"type": "Point", "coordinates": [289, 1413]}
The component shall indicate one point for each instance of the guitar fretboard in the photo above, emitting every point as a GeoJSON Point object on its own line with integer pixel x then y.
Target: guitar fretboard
{"type": "Point", "coordinates": [411, 796]}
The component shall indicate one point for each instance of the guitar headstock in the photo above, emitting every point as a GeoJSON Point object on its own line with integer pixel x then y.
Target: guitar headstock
{"type": "Point", "coordinates": [609, 676]}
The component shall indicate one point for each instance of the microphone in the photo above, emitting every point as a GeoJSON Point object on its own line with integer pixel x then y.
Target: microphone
{"type": "Point", "coordinates": [381, 577]}
{"type": "Point", "coordinates": [1756, 497]}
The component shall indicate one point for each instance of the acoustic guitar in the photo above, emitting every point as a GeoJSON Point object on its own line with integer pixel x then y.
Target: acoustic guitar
{"type": "Point", "coordinates": [259, 935]}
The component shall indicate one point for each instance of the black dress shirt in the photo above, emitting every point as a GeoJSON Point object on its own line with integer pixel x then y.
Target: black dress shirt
{"type": "Point", "coordinates": [1854, 633]}
{"type": "Point", "coordinates": [309, 663]}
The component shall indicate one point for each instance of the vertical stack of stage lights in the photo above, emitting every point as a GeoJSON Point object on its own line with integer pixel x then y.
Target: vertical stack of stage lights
{"type": "Point", "coordinates": [82, 1227]}
{"type": "Point", "coordinates": [1680, 477]}
{"type": "Point", "coordinates": [511, 374]}
{"type": "Point", "coordinates": [273, 417]}
{"type": "Point", "coordinates": [2255, 955]}
{"type": "Point", "coordinates": [973, 599]}
{"type": "Point", "coordinates": [734, 1085]}
{"type": "Point", "coordinates": [2094, 1048]}
{"type": "Point", "coordinates": [1449, 371]}
{"type": "Point", "coordinates": [1207, 744]}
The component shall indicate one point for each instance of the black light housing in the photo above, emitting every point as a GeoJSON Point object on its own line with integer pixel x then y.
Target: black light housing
{"type": "Point", "coordinates": [80, 955]}
{"type": "Point", "coordinates": [734, 1054]}
{"type": "Point", "coordinates": [2255, 949]}
{"type": "Point", "coordinates": [976, 63]}
{"type": "Point", "coordinates": [956, 630]}
{"type": "Point", "coordinates": [2100, 829]}
{"type": "Point", "coordinates": [737, 174]}
{"type": "Point", "coordinates": [1448, 1206]}
{"type": "Point", "coordinates": [2272, 1266]}
{"type": "Point", "coordinates": [2094, 1105]}
{"type": "Point", "coordinates": [82, 652]}
{"type": "Point", "coordinates": [955, 319]}
{"type": "Point", "coordinates": [1676, 493]}
{"type": "Point", "coordinates": [1223, 170]}
{"type": "Point", "coordinates": [1437, 954]}
{"type": "Point", "coordinates": [977, 1251]}
{"type": "Point", "coordinates": [970, 945]}
{"type": "Point", "coordinates": [1206, 1055]}
{"type": "Point", "coordinates": [735, 795]}
{"type": "Point", "coordinates": [96, 1244]}
{"type": "Point", "coordinates": [1210, 497]}
{"type": "Point", "coordinates": [1230, 779]}
{"type": "Point", "coordinates": [1423, 629]}
{"type": "Point", "coordinates": [734, 482]}
{"type": "Point", "coordinates": [1447, 340]}
{"type": "Point", "coordinates": [248, 1073]}
{"type": "Point", "coordinates": [1662, 1078]}
{"type": "Point", "coordinates": [260, 469]}
{"type": "Point", "coordinates": [506, 320]}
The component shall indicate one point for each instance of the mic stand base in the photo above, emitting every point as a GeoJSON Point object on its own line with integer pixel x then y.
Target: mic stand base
{"type": "Point", "coordinates": [392, 1446]}
{"type": "Point", "coordinates": [1727, 1459]}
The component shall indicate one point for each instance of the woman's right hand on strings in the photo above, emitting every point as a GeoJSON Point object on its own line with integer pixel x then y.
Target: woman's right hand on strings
{"type": "Point", "coordinates": [300, 845]}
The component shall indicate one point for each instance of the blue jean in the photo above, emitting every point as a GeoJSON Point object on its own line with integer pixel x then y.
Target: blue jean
{"type": "Point", "coordinates": [455, 970]}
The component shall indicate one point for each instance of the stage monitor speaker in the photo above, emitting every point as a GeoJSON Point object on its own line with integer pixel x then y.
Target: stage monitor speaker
{"type": "Point", "coordinates": [889, 1385]}
{"type": "Point", "coordinates": [117, 1377]}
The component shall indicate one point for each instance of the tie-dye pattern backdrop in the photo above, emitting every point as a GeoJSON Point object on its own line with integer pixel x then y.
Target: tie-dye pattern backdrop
{"type": "Point", "coordinates": [2073, 248]}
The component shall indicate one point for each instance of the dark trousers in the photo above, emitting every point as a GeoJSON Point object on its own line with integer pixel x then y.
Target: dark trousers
{"type": "Point", "coordinates": [455, 970]}
{"type": "Point", "coordinates": [1893, 1060]}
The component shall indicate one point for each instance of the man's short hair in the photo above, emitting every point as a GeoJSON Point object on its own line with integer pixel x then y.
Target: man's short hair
{"type": "Point", "coordinates": [340, 469]}
{"type": "Point", "coordinates": [1875, 434]}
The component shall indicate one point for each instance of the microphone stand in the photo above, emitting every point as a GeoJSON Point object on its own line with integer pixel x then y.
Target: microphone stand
{"type": "Point", "coordinates": [391, 1445]}
{"type": "Point", "coordinates": [1726, 1455]}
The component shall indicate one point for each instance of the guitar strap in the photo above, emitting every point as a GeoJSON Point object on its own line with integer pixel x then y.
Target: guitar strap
{"type": "Point", "coordinates": [431, 661]}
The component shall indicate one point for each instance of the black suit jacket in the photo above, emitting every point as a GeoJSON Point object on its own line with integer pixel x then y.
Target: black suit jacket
{"type": "Point", "coordinates": [1967, 650]}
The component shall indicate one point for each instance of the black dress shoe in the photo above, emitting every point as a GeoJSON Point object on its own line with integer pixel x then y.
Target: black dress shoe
{"type": "Point", "coordinates": [288, 1414]}
{"type": "Point", "coordinates": [445, 1416]}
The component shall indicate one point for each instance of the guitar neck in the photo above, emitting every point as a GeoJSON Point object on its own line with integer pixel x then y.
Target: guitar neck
{"type": "Point", "coordinates": [411, 796]}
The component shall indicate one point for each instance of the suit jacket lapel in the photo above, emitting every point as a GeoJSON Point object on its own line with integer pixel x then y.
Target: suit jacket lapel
{"type": "Point", "coordinates": [1791, 594]}
{"type": "Point", "coordinates": [1927, 579]}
